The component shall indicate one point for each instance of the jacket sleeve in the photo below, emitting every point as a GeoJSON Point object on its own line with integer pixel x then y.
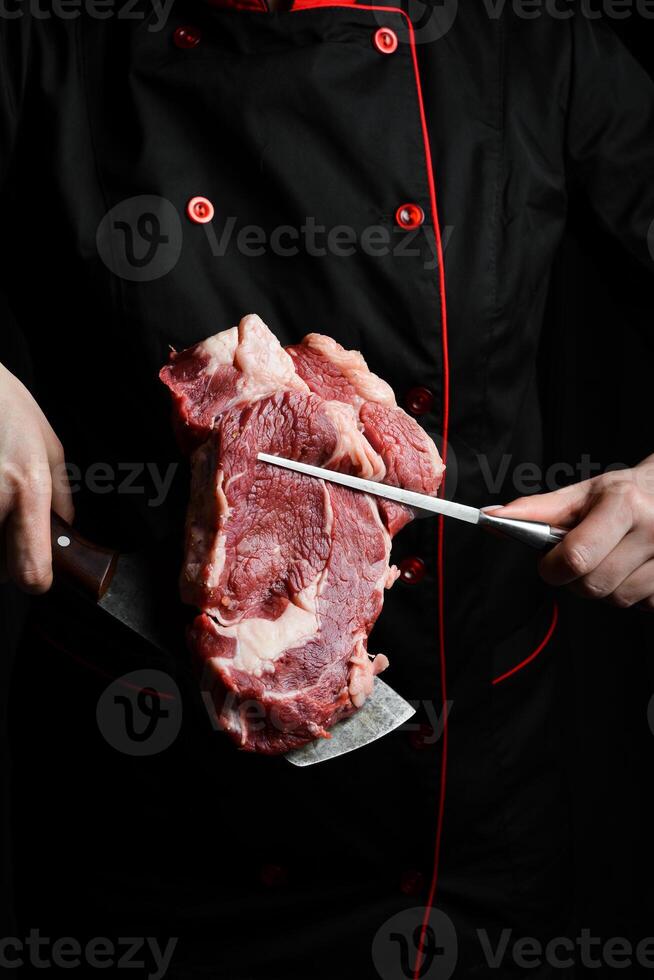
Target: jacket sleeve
{"type": "Point", "coordinates": [15, 39]}
{"type": "Point", "coordinates": [610, 135]}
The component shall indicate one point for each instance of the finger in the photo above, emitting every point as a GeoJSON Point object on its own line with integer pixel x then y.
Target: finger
{"type": "Point", "coordinates": [29, 556]}
{"type": "Point", "coordinates": [636, 589]}
{"type": "Point", "coordinates": [632, 553]}
{"type": "Point", "coordinates": [586, 545]}
{"type": "Point", "coordinates": [9, 482]}
{"type": "Point", "coordinates": [62, 500]}
{"type": "Point", "coordinates": [563, 507]}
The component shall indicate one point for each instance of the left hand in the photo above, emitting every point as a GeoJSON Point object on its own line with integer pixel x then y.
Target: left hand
{"type": "Point", "coordinates": [609, 553]}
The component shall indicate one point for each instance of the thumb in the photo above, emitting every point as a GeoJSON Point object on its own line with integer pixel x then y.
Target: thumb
{"type": "Point", "coordinates": [564, 507]}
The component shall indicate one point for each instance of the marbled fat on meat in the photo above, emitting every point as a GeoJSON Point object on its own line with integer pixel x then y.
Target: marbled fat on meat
{"type": "Point", "coordinates": [288, 571]}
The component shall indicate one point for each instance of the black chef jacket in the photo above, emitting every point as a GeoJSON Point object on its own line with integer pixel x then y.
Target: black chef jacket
{"type": "Point", "coordinates": [398, 181]}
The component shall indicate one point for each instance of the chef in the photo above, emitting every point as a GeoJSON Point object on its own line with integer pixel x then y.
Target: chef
{"type": "Point", "coordinates": [400, 182]}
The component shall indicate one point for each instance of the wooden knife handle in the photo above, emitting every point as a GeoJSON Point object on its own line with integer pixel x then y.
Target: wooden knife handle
{"type": "Point", "coordinates": [79, 561]}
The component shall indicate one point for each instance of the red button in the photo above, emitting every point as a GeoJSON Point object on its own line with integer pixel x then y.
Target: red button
{"type": "Point", "coordinates": [419, 401]}
{"type": "Point", "coordinates": [187, 37]}
{"type": "Point", "coordinates": [385, 40]}
{"type": "Point", "coordinates": [200, 210]}
{"type": "Point", "coordinates": [422, 738]}
{"type": "Point", "coordinates": [409, 216]}
{"type": "Point", "coordinates": [412, 570]}
{"type": "Point", "coordinates": [274, 875]}
{"type": "Point", "coordinates": [412, 882]}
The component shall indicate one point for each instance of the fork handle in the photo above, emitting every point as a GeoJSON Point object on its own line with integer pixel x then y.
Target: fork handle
{"type": "Point", "coordinates": [534, 533]}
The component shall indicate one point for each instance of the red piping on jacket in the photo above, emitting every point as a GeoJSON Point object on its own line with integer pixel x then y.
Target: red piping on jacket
{"type": "Point", "coordinates": [310, 5]}
{"type": "Point", "coordinates": [441, 521]}
{"type": "Point", "coordinates": [539, 649]}
{"type": "Point", "coordinates": [261, 6]}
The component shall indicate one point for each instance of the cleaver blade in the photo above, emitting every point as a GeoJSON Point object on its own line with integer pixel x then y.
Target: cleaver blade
{"type": "Point", "coordinates": [382, 712]}
{"type": "Point", "coordinates": [130, 589]}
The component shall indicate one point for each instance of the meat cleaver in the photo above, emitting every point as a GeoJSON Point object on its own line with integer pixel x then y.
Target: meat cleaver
{"type": "Point", "coordinates": [125, 587]}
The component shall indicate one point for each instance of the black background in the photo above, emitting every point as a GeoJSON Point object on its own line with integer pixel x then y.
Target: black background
{"type": "Point", "coordinates": [597, 375]}
{"type": "Point", "coordinates": [598, 387]}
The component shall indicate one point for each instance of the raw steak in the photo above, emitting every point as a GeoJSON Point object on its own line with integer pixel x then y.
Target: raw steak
{"type": "Point", "coordinates": [288, 571]}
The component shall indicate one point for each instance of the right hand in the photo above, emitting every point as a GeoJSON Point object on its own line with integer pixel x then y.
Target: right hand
{"type": "Point", "coordinates": [33, 481]}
